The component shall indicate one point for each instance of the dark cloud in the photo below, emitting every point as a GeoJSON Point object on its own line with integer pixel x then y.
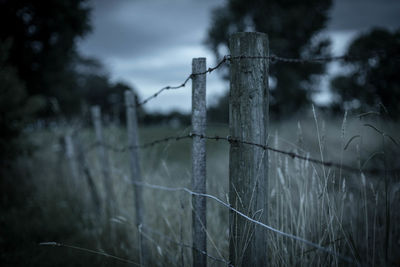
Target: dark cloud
{"type": "Point", "coordinates": [128, 28]}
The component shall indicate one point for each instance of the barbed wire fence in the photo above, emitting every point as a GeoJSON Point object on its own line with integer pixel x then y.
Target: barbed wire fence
{"type": "Point", "coordinates": [147, 231]}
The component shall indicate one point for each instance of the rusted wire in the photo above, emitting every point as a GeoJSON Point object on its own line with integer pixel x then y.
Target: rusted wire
{"type": "Point", "coordinates": [272, 59]}
{"type": "Point", "coordinates": [209, 70]}
{"type": "Point", "coordinates": [232, 140]}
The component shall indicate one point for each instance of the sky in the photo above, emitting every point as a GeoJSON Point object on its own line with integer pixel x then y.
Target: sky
{"type": "Point", "coordinates": [150, 44]}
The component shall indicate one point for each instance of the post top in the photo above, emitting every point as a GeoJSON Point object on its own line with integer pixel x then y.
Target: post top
{"type": "Point", "coordinates": [249, 34]}
{"type": "Point", "coordinates": [128, 93]}
{"type": "Point", "coordinates": [199, 59]}
{"type": "Point", "coordinates": [249, 44]}
{"type": "Point", "coordinates": [95, 109]}
{"type": "Point", "coordinates": [129, 98]}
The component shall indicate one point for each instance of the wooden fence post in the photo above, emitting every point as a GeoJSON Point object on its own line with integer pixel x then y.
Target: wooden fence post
{"type": "Point", "coordinates": [248, 165]}
{"type": "Point", "coordinates": [71, 155]}
{"type": "Point", "coordinates": [131, 122]}
{"type": "Point", "coordinates": [199, 213]}
{"type": "Point", "coordinates": [84, 169]}
{"type": "Point", "coordinates": [103, 157]}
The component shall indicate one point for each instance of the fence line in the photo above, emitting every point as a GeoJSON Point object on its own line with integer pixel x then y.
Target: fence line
{"type": "Point", "coordinates": [229, 139]}
{"type": "Point", "coordinates": [261, 73]}
{"type": "Point", "coordinates": [272, 59]}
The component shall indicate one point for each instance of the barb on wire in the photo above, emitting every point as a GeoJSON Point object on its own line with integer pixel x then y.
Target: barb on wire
{"type": "Point", "coordinates": [271, 58]}
{"type": "Point", "coordinates": [209, 70]}
{"type": "Point", "coordinates": [294, 155]}
{"type": "Point", "coordinates": [231, 140]}
{"type": "Point", "coordinates": [56, 244]}
{"type": "Point", "coordinates": [171, 240]}
{"type": "Point", "coordinates": [275, 58]}
{"type": "Point", "coordinates": [305, 241]}
{"type": "Point", "coordinates": [146, 145]}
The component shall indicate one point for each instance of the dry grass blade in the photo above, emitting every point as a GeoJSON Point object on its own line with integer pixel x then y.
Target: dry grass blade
{"type": "Point", "coordinates": [373, 127]}
{"type": "Point", "coordinates": [350, 140]}
{"type": "Point", "coordinates": [56, 244]}
{"type": "Point", "coordinates": [365, 114]}
{"type": "Point", "coordinates": [392, 139]}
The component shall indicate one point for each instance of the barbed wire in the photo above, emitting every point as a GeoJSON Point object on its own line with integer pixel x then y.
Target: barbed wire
{"type": "Point", "coordinates": [294, 155]}
{"type": "Point", "coordinates": [209, 70]}
{"type": "Point", "coordinates": [101, 253]}
{"type": "Point", "coordinates": [171, 240]}
{"type": "Point", "coordinates": [291, 236]}
{"type": "Point", "coordinates": [146, 145]}
{"type": "Point", "coordinates": [272, 59]}
{"type": "Point", "coordinates": [346, 57]}
{"type": "Point", "coordinates": [231, 140]}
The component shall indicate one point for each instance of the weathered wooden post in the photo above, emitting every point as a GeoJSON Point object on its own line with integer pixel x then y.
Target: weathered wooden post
{"type": "Point", "coordinates": [84, 169]}
{"type": "Point", "coordinates": [248, 165]}
{"type": "Point", "coordinates": [132, 127]}
{"type": "Point", "coordinates": [104, 161]}
{"type": "Point", "coordinates": [71, 155]}
{"type": "Point", "coordinates": [199, 214]}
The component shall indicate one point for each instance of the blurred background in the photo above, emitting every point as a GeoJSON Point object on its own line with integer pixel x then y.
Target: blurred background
{"type": "Point", "coordinates": [58, 58]}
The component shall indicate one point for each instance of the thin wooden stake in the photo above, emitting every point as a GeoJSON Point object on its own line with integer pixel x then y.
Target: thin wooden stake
{"type": "Point", "coordinates": [131, 122]}
{"type": "Point", "coordinates": [104, 161]}
{"type": "Point", "coordinates": [84, 168]}
{"type": "Point", "coordinates": [199, 214]}
{"type": "Point", "coordinates": [71, 155]}
{"type": "Point", "coordinates": [248, 165]}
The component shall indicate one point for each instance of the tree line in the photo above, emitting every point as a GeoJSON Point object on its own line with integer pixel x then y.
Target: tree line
{"type": "Point", "coordinates": [370, 82]}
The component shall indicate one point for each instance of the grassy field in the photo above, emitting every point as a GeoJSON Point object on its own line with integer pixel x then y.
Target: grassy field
{"type": "Point", "coordinates": [354, 214]}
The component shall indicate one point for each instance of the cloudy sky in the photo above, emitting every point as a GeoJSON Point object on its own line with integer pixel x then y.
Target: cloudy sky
{"type": "Point", "coordinates": [150, 43]}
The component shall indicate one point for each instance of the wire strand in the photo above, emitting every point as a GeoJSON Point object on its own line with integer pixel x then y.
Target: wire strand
{"type": "Point", "coordinates": [231, 140]}
{"type": "Point", "coordinates": [272, 59]}
{"type": "Point", "coordinates": [209, 70]}
{"type": "Point", "coordinates": [305, 241]}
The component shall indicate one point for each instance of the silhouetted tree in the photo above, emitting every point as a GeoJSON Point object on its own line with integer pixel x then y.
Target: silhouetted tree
{"type": "Point", "coordinates": [43, 35]}
{"type": "Point", "coordinates": [291, 26]}
{"type": "Point", "coordinates": [373, 77]}
{"type": "Point", "coordinates": [16, 107]}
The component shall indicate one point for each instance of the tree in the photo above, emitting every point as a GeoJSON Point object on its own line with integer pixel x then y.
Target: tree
{"type": "Point", "coordinates": [16, 107]}
{"type": "Point", "coordinates": [373, 77]}
{"type": "Point", "coordinates": [43, 35]}
{"type": "Point", "coordinates": [291, 26]}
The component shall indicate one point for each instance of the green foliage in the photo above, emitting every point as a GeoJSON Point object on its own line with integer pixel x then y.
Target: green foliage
{"type": "Point", "coordinates": [291, 26]}
{"type": "Point", "coordinates": [373, 79]}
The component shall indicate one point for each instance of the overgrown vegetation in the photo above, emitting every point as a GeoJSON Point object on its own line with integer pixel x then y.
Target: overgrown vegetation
{"type": "Point", "coordinates": [353, 214]}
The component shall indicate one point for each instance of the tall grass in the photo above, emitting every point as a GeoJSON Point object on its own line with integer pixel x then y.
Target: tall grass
{"type": "Point", "coordinates": [352, 214]}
